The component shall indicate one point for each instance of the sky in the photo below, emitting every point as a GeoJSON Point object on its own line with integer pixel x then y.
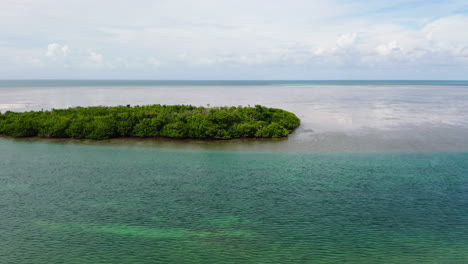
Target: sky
{"type": "Point", "coordinates": [238, 39]}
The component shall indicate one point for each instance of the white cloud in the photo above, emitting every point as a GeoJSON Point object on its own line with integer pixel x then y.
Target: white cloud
{"type": "Point", "coordinates": [65, 50]}
{"type": "Point", "coordinates": [346, 40]}
{"type": "Point", "coordinates": [55, 50]}
{"type": "Point", "coordinates": [388, 49]}
{"type": "Point", "coordinates": [155, 62]}
{"type": "Point", "coordinates": [95, 59]}
{"type": "Point", "coordinates": [259, 36]}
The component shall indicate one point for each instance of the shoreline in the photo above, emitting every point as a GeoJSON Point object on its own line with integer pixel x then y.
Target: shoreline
{"type": "Point", "coordinates": [161, 139]}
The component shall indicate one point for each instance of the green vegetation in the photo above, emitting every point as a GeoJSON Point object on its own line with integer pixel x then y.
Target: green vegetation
{"type": "Point", "coordinates": [174, 121]}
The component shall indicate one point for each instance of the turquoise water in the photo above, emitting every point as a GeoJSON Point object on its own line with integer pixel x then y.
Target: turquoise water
{"type": "Point", "coordinates": [376, 173]}
{"type": "Point", "coordinates": [75, 203]}
{"type": "Point", "coordinates": [74, 83]}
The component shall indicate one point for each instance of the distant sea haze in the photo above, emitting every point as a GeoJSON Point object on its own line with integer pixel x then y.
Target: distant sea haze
{"type": "Point", "coordinates": [58, 83]}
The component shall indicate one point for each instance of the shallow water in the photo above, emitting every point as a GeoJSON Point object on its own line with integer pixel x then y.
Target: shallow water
{"type": "Point", "coordinates": [113, 204]}
{"type": "Point", "coordinates": [375, 174]}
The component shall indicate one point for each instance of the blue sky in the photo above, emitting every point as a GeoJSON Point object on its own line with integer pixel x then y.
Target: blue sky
{"type": "Point", "coordinates": [242, 39]}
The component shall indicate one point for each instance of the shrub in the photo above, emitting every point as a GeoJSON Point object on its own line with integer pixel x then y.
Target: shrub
{"type": "Point", "coordinates": [175, 121]}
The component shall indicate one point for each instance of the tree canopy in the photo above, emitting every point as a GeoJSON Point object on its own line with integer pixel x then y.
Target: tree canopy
{"type": "Point", "coordinates": [173, 121]}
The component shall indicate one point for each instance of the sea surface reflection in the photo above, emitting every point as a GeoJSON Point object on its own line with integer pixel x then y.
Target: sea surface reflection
{"type": "Point", "coordinates": [334, 118]}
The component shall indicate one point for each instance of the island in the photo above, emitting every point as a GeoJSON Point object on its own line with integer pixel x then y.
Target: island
{"type": "Point", "coordinates": [172, 121]}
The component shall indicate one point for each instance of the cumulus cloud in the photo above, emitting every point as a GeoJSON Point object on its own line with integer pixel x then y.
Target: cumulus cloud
{"type": "Point", "coordinates": [55, 50]}
{"type": "Point", "coordinates": [388, 49]}
{"type": "Point", "coordinates": [346, 40]}
{"type": "Point", "coordinates": [310, 35]}
{"type": "Point", "coordinates": [55, 55]}
{"type": "Point", "coordinates": [95, 59]}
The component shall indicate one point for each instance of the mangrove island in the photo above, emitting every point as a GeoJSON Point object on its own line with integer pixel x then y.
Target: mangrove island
{"type": "Point", "coordinates": [172, 121]}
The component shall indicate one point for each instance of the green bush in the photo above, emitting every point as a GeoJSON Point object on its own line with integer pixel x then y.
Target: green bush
{"type": "Point", "coordinates": [175, 121]}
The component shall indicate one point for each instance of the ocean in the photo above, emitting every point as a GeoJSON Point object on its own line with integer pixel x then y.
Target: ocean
{"type": "Point", "coordinates": [376, 173]}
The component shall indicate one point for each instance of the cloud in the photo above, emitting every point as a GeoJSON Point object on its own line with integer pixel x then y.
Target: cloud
{"type": "Point", "coordinates": [388, 49]}
{"type": "Point", "coordinates": [55, 50]}
{"type": "Point", "coordinates": [346, 40]}
{"type": "Point", "coordinates": [300, 36]}
{"type": "Point", "coordinates": [96, 58]}
{"type": "Point", "coordinates": [154, 62]}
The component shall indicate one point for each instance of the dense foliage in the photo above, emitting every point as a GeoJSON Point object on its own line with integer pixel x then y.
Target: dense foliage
{"type": "Point", "coordinates": [175, 121]}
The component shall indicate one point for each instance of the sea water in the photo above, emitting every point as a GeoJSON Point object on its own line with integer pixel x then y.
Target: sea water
{"type": "Point", "coordinates": [375, 174]}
